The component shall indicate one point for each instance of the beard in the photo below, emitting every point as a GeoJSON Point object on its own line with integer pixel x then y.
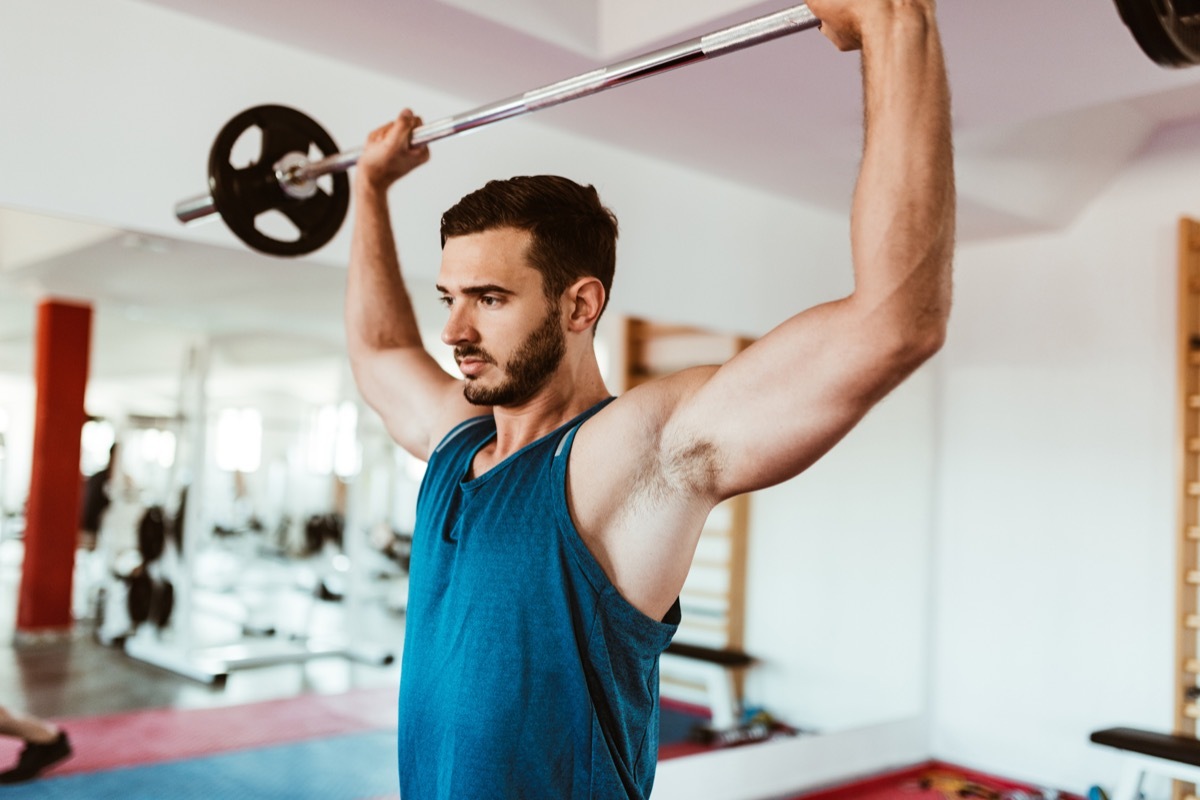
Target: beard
{"type": "Point", "coordinates": [527, 371]}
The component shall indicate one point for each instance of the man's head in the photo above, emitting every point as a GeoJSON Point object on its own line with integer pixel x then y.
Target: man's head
{"type": "Point", "coordinates": [526, 268]}
{"type": "Point", "coordinates": [572, 234]}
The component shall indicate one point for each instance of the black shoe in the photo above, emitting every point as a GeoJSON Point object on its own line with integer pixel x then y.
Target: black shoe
{"type": "Point", "coordinates": [37, 757]}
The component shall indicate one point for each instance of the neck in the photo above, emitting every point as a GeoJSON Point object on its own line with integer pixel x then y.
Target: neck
{"type": "Point", "coordinates": [575, 387]}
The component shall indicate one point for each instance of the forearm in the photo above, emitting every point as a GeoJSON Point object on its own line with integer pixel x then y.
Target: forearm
{"type": "Point", "coordinates": [902, 224]}
{"type": "Point", "coordinates": [379, 313]}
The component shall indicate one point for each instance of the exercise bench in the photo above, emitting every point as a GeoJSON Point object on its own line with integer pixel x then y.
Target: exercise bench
{"type": "Point", "coordinates": [1175, 757]}
{"type": "Point", "coordinates": [716, 670]}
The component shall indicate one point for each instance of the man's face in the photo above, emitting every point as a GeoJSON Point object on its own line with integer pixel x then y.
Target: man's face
{"type": "Point", "coordinates": [507, 339]}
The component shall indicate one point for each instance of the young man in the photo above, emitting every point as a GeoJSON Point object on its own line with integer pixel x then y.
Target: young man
{"type": "Point", "coordinates": [555, 524]}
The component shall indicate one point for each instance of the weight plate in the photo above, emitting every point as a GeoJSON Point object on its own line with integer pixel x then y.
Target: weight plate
{"type": "Point", "coordinates": [241, 194]}
{"type": "Point", "coordinates": [1167, 30]}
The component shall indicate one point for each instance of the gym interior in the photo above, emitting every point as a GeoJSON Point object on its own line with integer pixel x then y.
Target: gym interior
{"type": "Point", "coordinates": [997, 564]}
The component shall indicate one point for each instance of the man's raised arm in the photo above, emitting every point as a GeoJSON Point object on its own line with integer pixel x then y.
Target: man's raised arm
{"type": "Point", "coordinates": [777, 407]}
{"type": "Point", "coordinates": [394, 373]}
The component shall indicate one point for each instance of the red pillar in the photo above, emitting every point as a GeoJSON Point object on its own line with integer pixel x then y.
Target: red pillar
{"type": "Point", "coordinates": [52, 514]}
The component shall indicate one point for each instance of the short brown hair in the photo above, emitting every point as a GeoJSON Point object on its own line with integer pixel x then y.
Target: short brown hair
{"type": "Point", "coordinates": [574, 234]}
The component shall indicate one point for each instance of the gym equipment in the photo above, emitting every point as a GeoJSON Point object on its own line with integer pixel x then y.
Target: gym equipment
{"type": "Point", "coordinates": [151, 595]}
{"type": "Point", "coordinates": [242, 194]}
{"type": "Point", "coordinates": [717, 671]}
{"type": "Point", "coordinates": [1150, 753]}
{"type": "Point", "coordinates": [285, 180]}
{"type": "Point", "coordinates": [1167, 30]}
{"type": "Point", "coordinates": [203, 652]}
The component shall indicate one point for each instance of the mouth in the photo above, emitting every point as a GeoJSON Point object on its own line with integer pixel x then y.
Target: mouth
{"type": "Point", "coordinates": [471, 366]}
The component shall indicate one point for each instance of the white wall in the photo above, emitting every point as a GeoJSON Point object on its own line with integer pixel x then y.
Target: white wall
{"type": "Point", "coordinates": [1055, 537]}
{"type": "Point", "coordinates": [17, 405]}
{"type": "Point", "coordinates": [839, 559]}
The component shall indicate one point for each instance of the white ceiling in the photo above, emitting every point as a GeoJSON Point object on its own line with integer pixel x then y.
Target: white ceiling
{"type": "Point", "coordinates": [1051, 100]}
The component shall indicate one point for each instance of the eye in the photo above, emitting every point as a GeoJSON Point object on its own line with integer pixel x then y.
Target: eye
{"type": "Point", "coordinates": [489, 300]}
{"type": "Point", "coordinates": [445, 300]}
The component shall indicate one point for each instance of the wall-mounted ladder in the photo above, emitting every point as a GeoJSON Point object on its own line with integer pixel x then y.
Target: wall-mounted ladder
{"type": "Point", "coordinates": [1187, 662]}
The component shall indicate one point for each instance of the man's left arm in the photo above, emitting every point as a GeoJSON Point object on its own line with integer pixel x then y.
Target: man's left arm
{"type": "Point", "coordinates": [777, 407]}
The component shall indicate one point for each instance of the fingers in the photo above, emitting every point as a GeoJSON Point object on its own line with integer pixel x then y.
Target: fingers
{"type": "Point", "coordinates": [843, 43]}
{"type": "Point", "coordinates": [398, 132]}
{"type": "Point", "coordinates": [842, 20]}
{"type": "Point", "coordinates": [406, 123]}
{"type": "Point", "coordinates": [401, 129]}
{"type": "Point", "coordinates": [389, 154]}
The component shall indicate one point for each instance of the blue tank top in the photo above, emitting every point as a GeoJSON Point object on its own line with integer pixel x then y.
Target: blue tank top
{"type": "Point", "coordinates": [525, 674]}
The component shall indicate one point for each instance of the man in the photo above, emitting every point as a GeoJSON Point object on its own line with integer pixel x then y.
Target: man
{"type": "Point", "coordinates": [96, 500]}
{"type": "Point", "coordinates": [555, 524]}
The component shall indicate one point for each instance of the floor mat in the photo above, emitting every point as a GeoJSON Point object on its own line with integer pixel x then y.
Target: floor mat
{"type": "Point", "coordinates": [166, 734]}
{"type": "Point", "coordinates": [333, 747]}
{"type": "Point", "coordinates": [685, 729]}
{"type": "Point", "coordinates": [936, 780]}
{"type": "Point", "coordinates": [350, 767]}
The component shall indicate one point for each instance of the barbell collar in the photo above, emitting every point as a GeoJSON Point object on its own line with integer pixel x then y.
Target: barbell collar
{"type": "Point", "coordinates": [195, 208]}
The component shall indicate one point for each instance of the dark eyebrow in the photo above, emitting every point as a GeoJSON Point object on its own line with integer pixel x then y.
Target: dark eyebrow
{"type": "Point", "coordinates": [487, 288]}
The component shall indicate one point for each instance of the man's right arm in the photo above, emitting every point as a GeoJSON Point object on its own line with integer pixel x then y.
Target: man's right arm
{"type": "Point", "coordinates": [397, 377]}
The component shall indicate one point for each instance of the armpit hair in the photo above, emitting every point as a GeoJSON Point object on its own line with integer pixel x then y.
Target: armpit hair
{"type": "Point", "coordinates": [689, 467]}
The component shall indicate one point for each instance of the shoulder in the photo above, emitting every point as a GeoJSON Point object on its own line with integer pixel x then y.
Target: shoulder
{"type": "Point", "coordinates": [642, 413]}
{"type": "Point", "coordinates": [623, 445]}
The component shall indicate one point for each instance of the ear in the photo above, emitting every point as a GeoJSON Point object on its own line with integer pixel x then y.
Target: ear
{"type": "Point", "coordinates": [585, 301]}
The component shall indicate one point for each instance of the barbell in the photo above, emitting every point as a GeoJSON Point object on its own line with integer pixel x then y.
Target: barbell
{"type": "Point", "coordinates": [285, 179]}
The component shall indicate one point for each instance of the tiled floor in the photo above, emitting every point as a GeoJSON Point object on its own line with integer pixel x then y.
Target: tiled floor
{"type": "Point", "coordinates": [78, 676]}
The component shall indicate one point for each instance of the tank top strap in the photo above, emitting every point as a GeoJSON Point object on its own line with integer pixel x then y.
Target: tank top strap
{"type": "Point", "coordinates": [464, 426]}
{"type": "Point", "coordinates": [567, 438]}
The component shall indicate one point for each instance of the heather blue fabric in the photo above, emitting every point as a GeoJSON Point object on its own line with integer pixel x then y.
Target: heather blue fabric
{"type": "Point", "coordinates": [525, 673]}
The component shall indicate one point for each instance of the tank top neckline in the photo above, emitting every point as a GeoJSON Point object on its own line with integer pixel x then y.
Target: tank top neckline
{"type": "Point", "coordinates": [469, 484]}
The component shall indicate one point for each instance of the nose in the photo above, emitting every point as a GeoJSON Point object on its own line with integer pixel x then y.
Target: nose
{"type": "Point", "coordinates": [458, 328]}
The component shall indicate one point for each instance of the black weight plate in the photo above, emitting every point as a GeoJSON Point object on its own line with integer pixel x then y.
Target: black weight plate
{"type": "Point", "coordinates": [241, 194]}
{"type": "Point", "coordinates": [1167, 30]}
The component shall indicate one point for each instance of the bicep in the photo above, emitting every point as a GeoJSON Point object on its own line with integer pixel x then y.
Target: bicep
{"type": "Point", "coordinates": [416, 399]}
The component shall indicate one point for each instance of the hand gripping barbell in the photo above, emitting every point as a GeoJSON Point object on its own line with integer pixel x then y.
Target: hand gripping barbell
{"type": "Point", "coordinates": [284, 179]}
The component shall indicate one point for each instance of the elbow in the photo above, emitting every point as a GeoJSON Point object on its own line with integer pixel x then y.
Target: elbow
{"type": "Point", "coordinates": [922, 344]}
{"type": "Point", "coordinates": [921, 332]}
{"type": "Point", "coordinates": [931, 340]}
{"type": "Point", "coordinates": [915, 345]}
{"type": "Point", "coordinates": [356, 354]}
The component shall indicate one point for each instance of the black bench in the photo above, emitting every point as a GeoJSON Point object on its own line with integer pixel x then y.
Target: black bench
{"type": "Point", "coordinates": [1176, 757]}
{"type": "Point", "coordinates": [714, 668]}
{"type": "Point", "coordinates": [726, 658]}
